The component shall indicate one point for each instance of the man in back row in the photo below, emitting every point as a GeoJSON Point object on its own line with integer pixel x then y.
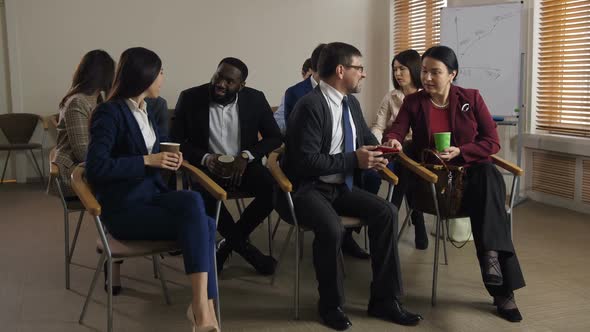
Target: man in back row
{"type": "Point", "coordinates": [328, 143]}
{"type": "Point", "coordinates": [224, 117]}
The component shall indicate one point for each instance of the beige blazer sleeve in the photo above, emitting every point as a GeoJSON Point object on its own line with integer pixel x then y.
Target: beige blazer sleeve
{"type": "Point", "coordinates": [386, 113]}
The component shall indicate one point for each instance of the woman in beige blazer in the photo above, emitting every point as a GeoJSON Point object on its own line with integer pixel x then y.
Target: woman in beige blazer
{"type": "Point", "coordinates": [406, 67]}
{"type": "Point", "coordinates": [93, 76]}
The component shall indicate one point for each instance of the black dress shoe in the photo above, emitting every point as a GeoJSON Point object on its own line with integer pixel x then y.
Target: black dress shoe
{"type": "Point", "coordinates": [394, 312]}
{"type": "Point", "coordinates": [264, 264]}
{"type": "Point", "coordinates": [116, 289]}
{"type": "Point", "coordinates": [223, 252]}
{"type": "Point", "coordinates": [351, 248]}
{"type": "Point", "coordinates": [335, 318]}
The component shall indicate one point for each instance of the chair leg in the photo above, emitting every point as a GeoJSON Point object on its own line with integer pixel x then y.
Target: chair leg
{"type": "Point", "coordinates": [297, 274]}
{"type": "Point", "coordinates": [274, 231]}
{"type": "Point", "coordinates": [436, 254]}
{"type": "Point", "coordinates": [38, 168]}
{"type": "Point", "coordinates": [269, 235]}
{"type": "Point", "coordinates": [92, 286]}
{"type": "Point", "coordinates": [214, 258]}
{"type": "Point", "coordinates": [110, 294]}
{"type": "Point", "coordinates": [301, 244]}
{"type": "Point", "coordinates": [162, 278]}
{"type": "Point", "coordinates": [76, 235]}
{"type": "Point", "coordinates": [240, 205]}
{"type": "Point", "coordinates": [282, 254]}
{"type": "Point", "coordinates": [405, 224]}
{"type": "Point", "coordinates": [67, 246]}
{"type": "Point", "coordinates": [366, 238]}
{"type": "Point", "coordinates": [444, 234]}
{"type": "Point", "coordinates": [5, 166]}
{"type": "Point", "coordinates": [155, 268]}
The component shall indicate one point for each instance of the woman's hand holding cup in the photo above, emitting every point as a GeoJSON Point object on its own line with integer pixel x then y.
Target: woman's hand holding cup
{"type": "Point", "coordinates": [165, 160]}
{"type": "Point", "coordinates": [450, 153]}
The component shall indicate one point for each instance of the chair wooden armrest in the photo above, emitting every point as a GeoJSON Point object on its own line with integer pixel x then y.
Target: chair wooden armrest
{"type": "Point", "coordinates": [205, 181]}
{"type": "Point", "coordinates": [84, 192]}
{"type": "Point", "coordinates": [45, 121]}
{"type": "Point", "coordinates": [387, 175]}
{"type": "Point", "coordinates": [277, 172]}
{"type": "Point", "coordinates": [505, 164]}
{"type": "Point", "coordinates": [53, 168]}
{"type": "Point", "coordinates": [417, 169]}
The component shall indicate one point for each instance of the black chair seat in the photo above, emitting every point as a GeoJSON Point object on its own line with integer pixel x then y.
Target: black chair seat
{"type": "Point", "coordinates": [239, 195]}
{"type": "Point", "coordinates": [74, 204]}
{"type": "Point", "coordinates": [20, 146]}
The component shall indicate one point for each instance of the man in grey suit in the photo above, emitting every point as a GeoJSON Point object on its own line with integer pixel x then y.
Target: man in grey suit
{"type": "Point", "coordinates": [328, 144]}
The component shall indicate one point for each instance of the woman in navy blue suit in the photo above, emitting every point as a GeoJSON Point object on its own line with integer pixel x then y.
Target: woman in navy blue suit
{"type": "Point", "coordinates": [123, 165]}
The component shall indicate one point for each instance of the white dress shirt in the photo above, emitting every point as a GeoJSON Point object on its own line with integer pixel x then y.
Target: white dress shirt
{"type": "Point", "coordinates": [313, 82]}
{"type": "Point", "coordinates": [224, 130]}
{"type": "Point", "coordinates": [141, 116]}
{"type": "Point", "coordinates": [334, 99]}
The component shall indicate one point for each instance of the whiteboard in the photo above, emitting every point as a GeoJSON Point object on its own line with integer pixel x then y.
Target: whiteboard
{"type": "Point", "coordinates": [486, 40]}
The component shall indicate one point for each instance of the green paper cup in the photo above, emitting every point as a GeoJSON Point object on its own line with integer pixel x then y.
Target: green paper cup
{"type": "Point", "coordinates": [442, 140]}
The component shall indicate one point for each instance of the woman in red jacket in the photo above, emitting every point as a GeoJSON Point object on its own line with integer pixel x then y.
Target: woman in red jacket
{"type": "Point", "coordinates": [444, 107]}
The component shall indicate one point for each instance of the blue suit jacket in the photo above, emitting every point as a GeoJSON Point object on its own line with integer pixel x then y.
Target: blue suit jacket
{"type": "Point", "coordinates": [114, 163]}
{"type": "Point", "coordinates": [293, 94]}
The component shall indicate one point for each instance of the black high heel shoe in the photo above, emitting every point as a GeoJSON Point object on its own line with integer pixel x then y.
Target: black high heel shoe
{"type": "Point", "coordinates": [513, 314]}
{"type": "Point", "coordinates": [116, 289]}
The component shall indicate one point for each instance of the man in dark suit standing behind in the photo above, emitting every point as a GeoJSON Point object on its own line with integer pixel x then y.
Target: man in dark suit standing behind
{"type": "Point", "coordinates": [327, 144]}
{"type": "Point", "coordinates": [292, 95]}
{"type": "Point", "coordinates": [224, 117]}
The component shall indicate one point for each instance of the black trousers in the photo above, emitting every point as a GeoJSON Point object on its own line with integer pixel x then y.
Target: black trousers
{"type": "Point", "coordinates": [319, 208]}
{"type": "Point", "coordinates": [257, 181]}
{"type": "Point", "coordinates": [405, 177]}
{"type": "Point", "coordinates": [484, 201]}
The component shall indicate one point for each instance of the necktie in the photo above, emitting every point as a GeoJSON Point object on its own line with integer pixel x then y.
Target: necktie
{"type": "Point", "coordinates": [348, 139]}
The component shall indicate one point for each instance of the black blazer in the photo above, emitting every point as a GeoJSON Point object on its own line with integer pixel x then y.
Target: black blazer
{"type": "Point", "coordinates": [158, 108]}
{"type": "Point", "coordinates": [114, 163]}
{"type": "Point", "coordinates": [309, 137]}
{"type": "Point", "coordinates": [190, 126]}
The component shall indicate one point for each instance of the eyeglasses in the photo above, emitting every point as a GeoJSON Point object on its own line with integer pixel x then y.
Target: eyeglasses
{"type": "Point", "coordinates": [359, 68]}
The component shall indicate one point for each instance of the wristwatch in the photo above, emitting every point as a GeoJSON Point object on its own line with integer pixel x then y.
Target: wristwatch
{"type": "Point", "coordinates": [245, 155]}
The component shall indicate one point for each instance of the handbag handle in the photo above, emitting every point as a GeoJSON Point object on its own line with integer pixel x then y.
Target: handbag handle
{"type": "Point", "coordinates": [426, 151]}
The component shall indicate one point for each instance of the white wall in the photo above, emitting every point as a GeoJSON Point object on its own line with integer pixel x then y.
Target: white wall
{"type": "Point", "coordinates": [46, 40]}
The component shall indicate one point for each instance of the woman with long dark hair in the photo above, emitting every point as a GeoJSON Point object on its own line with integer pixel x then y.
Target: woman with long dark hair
{"type": "Point", "coordinates": [405, 69]}
{"type": "Point", "coordinates": [445, 107]}
{"type": "Point", "coordinates": [123, 166]}
{"type": "Point", "coordinates": [93, 78]}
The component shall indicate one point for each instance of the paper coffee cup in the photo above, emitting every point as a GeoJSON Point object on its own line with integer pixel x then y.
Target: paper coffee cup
{"type": "Point", "coordinates": [169, 147]}
{"type": "Point", "coordinates": [226, 163]}
{"type": "Point", "coordinates": [442, 141]}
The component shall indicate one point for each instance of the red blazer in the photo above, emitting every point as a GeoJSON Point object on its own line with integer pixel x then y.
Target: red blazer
{"type": "Point", "coordinates": [472, 128]}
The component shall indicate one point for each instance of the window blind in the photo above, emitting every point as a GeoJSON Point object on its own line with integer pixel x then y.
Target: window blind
{"type": "Point", "coordinates": [563, 90]}
{"type": "Point", "coordinates": [416, 24]}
